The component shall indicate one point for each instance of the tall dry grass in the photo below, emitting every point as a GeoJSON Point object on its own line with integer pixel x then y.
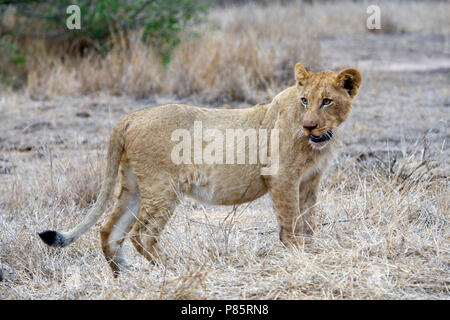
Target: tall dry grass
{"type": "Point", "coordinates": [246, 58]}
{"type": "Point", "coordinates": [243, 53]}
{"type": "Point", "coordinates": [384, 235]}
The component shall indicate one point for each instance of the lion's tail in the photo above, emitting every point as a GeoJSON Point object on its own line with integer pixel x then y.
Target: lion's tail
{"type": "Point", "coordinates": [115, 149]}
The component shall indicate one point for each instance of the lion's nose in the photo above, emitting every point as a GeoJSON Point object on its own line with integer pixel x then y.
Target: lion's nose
{"type": "Point", "coordinates": [309, 125]}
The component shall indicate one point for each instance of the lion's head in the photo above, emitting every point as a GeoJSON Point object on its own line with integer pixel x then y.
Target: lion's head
{"type": "Point", "coordinates": [326, 98]}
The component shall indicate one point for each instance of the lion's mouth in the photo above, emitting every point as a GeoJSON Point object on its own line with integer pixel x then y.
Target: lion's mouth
{"type": "Point", "coordinates": [325, 137]}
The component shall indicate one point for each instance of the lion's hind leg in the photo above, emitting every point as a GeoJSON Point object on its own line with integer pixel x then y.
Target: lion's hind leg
{"type": "Point", "coordinates": [157, 207]}
{"type": "Point", "coordinates": [122, 218]}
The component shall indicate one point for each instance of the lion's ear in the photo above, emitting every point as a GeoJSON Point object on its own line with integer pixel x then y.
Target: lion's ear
{"type": "Point", "coordinates": [301, 74]}
{"type": "Point", "coordinates": [350, 80]}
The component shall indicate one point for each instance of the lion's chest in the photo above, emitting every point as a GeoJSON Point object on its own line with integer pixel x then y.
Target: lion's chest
{"type": "Point", "coordinates": [311, 168]}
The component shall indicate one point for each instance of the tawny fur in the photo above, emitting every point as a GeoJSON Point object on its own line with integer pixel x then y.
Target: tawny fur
{"type": "Point", "coordinates": [151, 183]}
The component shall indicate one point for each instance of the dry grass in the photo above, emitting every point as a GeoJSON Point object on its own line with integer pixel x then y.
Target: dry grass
{"type": "Point", "coordinates": [241, 53]}
{"type": "Point", "coordinates": [234, 56]}
{"type": "Point", "coordinates": [385, 236]}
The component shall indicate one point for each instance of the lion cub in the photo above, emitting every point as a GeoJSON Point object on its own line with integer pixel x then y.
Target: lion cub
{"type": "Point", "coordinates": [167, 151]}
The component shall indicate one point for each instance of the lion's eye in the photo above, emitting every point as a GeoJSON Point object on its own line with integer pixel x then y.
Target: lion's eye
{"type": "Point", "coordinates": [326, 102]}
{"type": "Point", "coordinates": [304, 101]}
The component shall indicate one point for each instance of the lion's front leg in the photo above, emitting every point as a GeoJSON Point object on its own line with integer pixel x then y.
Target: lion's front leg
{"type": "Point", "coordinates": [285, 198]}
{"type": "Point", "coordinates": [307, 202]}
{"type": "Point", "coordinates": [295, 206]}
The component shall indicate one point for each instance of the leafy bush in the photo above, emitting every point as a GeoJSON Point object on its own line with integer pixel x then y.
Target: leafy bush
{"type": "Point", "coordinates": [162, 22]}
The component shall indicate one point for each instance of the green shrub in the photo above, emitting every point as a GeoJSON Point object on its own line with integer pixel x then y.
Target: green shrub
{"type": "Point", "coordinates": [162, 22]}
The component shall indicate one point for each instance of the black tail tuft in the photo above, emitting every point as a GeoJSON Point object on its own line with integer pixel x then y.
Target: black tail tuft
{"type": "Point", "coordinates": [53, 238]}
